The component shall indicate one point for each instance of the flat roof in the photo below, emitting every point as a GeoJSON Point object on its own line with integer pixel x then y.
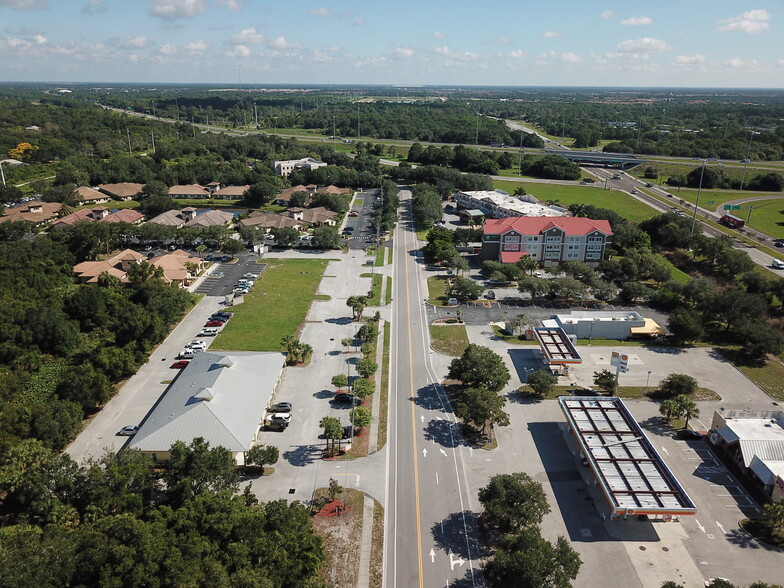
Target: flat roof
{"type": "Point", "coordinates": [556, 345]}
{"type": "Point", "coordinates": [632, 475]}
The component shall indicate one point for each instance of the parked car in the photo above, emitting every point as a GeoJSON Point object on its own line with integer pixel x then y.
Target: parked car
{"type": "Point", "coordinates": [343, 398]}
{"type": "Point", "coordinates": [353, 213]}
{"type": "Point", "coordinates": [208, 332]}
{"type": "Point", "coordinates": [209, 324]}
{"type": "Point", "coordinates": [187, 354]}
{"type": "Point", "coordinates": [222, 315]}
{"type": "Point", "coordinates": [281, 407]}
{"type": "Point", "coordinates": [280, 418]}
{"type": "Point", "coordinates": [348, 430]}
{"type": "Point", "coordinates": [128, 430]}
{"type": "Point", "coordinates": [490, 295]}
{"type": "Point", "coordinates": [688, 434]}
{"type": "Point", "coordinates": [250, 276]}
{"type": "Point", "coordinates": [178, 365]}
{"type": "Point", "coordinates": [451, 302]}
{"type": "Point", "coordinates": [196, 345]}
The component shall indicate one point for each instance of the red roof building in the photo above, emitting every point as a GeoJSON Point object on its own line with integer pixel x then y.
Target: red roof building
{"type": "Point", "coordinates": [549, 240]}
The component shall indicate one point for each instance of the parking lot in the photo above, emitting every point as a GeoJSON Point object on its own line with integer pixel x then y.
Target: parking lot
{"type": "Point", "coordinates": [361, 231]}
{"type": "Point", "coordinates": [224, 277]}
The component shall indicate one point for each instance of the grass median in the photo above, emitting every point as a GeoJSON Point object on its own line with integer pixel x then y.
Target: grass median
{"type": "Point", "coordinates": [449, 339]}
{"type": "Point", "coordinates": [277, 306]}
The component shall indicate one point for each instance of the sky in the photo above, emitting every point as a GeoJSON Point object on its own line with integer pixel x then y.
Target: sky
{"type": "Point", "coordinates": [666, 43]}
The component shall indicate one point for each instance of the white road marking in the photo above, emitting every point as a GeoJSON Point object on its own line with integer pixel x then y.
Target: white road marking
{"type": "Point", "coordinates": [424, 452]}
{"type": "Point", "coordinates": [664, 449]}
{"type": "Point", "coordinates": [699, 525]}
{"type": "Point", "coordinates": [720, 526]}
{"type": "Point", "coordinates": [436, 477]}
{"type": "Point", "coordinates": [452, 561]}
{"type": "Point", "coordinates": [442, 452]}
{"type": "Point", "coordinates": [422, 418]}
{"type": "Point", "coordinates": [432, 555]}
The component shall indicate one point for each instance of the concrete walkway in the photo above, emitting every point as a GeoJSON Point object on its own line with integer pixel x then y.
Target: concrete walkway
{"type": "Point", "coordinates": [366, 547]}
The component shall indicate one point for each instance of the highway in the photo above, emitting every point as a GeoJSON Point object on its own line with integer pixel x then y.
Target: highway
{"type": "Point", "coordinates": [430, 525]}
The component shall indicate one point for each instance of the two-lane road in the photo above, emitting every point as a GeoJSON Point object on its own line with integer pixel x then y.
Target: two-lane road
{"type": "Point", "coordinates": [430, 526]}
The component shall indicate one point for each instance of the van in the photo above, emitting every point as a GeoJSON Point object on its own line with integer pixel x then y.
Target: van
{"type": "Point", "coordinates": [777, 263]}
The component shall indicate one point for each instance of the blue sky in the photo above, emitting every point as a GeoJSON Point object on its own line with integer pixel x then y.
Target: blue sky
{"type": "Point", "coordinates": [705, 43]}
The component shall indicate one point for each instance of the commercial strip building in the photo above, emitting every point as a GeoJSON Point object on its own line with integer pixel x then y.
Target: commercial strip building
{"type": "Point", "coordinates": [499, 204]}
{"type": "Point", "coordinates": [220, 397]}
{"type": "Point", "coordinates": [550, 241]}
{"type": "Point", "coordinates": [631, 474]}
{"type": "Point", "coordinates": [285, 167]}
{"type": "Point", "coordinates": [753, 443]}
{"type": "Point", "coordinates": [605, 324]}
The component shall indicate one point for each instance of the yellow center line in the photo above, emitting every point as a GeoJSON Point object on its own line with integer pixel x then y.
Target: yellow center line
{"type": "Point", "coordinates": [413, 420]}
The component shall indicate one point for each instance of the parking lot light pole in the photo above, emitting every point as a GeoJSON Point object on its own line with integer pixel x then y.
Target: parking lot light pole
{"type": "Point", "coordinates": [647, 379]}
{"type": "Point", "coordinates": [746, 161]}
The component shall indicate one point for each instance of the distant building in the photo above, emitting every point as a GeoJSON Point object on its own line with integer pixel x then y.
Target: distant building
{"type": "Point", "coordinates": [585, 324]}
{"type": "Point", "coordinates": [285, 167]}
{"type": "Point", "coordinates": [231, 192]}
{"type": "Point", "coordinates": [314, 216]}
{"type": "Point", "coordinates": [101, 214]}
{"type": "Point", "coordinates": [123, 190]}
{"type": "Point", "coordinates": [116, 265]}
{"type": "Point", "coordinates": [271, 220]}
{"type": "Point", "coordinates": [498, 204]}
{"type": "Point", "coordinates": [550, 241]}
{"type": "Point", "coordinates": [284, 198]}
{"type": "Point", "coordinates": [753, 442]}
{"type": "Point", "coordinates": [189, 191]}
{"type": "Point", "coordinates": [38, 213]}
{"type": "Point", "coordinates": [179, 268]}
{"type": "Point", "coordinates": [87, 195]}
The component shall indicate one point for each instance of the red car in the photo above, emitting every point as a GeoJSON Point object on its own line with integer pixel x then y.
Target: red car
{"type": "Point", "coordinates": [178, 365]}
{"type": "Point", "coordinates": [214, 324]}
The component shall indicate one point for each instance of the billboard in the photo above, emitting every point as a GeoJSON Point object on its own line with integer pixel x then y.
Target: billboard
{"type": "Point", "coordinates": [621, 361]}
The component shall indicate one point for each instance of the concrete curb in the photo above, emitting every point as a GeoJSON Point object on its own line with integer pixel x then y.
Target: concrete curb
{"type": "Point", "coordinates": [366, 544]}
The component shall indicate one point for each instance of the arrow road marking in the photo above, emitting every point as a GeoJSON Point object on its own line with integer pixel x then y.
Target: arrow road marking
{"type": "Point", "coordinates": [720, 526]}
{"type": "Point", "coordinates": [432, 555]}
{"type": "Point", "coordinates": [452, 561]}
{"type": "Point", "coordinates": [422, 418]}
{"type": "Point", "coordinates": [357, 484]}
{"type": "Point", "coordinates": [436, 477]}
{"type": "Point", "coordinates": [442, 452]}
{"type": "Point", "coordinates": [664, 449]}
{"type": "Point", "coordinates": [699, 525]}
{"type": "Point", "coordinates": [424, 452]}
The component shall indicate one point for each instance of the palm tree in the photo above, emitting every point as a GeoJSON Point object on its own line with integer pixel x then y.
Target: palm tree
{"type": "Point", "coordinates": [669, 408]}
{"type": "Point", "coordinates": [333, 431]}
{"type": "Point", "coordinates": [687, 409]}
{"type": "Point", "coordinates": [774, 512]}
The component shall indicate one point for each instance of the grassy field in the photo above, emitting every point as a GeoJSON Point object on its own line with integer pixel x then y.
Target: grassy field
{"type": "Point", "coordinates": [374, 300]}
{"type": "Point", "coordinates": [449, 339]}
{"type": "Point", "coordinates": [621, 202]}
{"type": "Point", "coordinates": [383, 407]}
{"type": "Point", "coordinates": [388, 291]}
{"type": "Point", "coordinates": [767, 216]}
{"type": "Point", "coordinates": [276, 307]}
{"type": "Point", "coordinates": [436, 286]}
{"type": "Point", "coordinates": [769, 377]}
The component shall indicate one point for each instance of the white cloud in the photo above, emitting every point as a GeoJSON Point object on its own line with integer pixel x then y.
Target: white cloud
{"type": "Point", "coordinates": [438, 35]}
{"type": "Point", "coordinates": [238, 51]}
{"type": "Point", "coordinates": [24, 4]}
{"type": "Point", "coordinates": [551, 34]}
{"type": "Point", "coordinates": [134, 43]}
{"type": "Point", "coordinates": [687, 60]}
{"type": "Point", "coordinates": [282, 43]}
{"type": "Point", "coordinates": [570, 57]}
{"type": "Point", "coordinates": [94, 7]}
{"type": "Point", "coordinates": [404, 52]}
{"type": "Point", "coordinates": [320, 12]}
{"type": "Point", "coordinates": [442, 50]}
{"type": "Point", "coordinates": [517, 54]}
{"type": "Point", "coordinates": [321, 57]}
{"type": "Point", "coordinates": [176, 9]}
{"type": "Point", "coordinates": [248, 37]}
{"type": "Point", "coordinates": [637, 21]}
{"type": "Point", "coordinates": [501, 40]}
{"type": "Point", "coordinates": [607, 14]}
{"type": "Point", "coordinates": [233, 5]}
{"type": "Point", "coordinates": [189, 49]}
{"type": "Point", "coordinates": [738, 63]}
{"type": "Point", "coordinates": [780, 63]}
{"type": "Point", "coordinates": [358, 21]}
{"type": "Point", "coordinates": [642, 48]}
{"type": "Point", "coordinates": [752, 22]}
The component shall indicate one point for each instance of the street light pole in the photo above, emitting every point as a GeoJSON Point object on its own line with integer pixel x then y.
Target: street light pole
{"type": "Point", "coordinates": [520, 164]}
{"type": "Point", "coordinates": [746, 161]}
{"type": "Point", "coordinates": [697, 204]}
{"type": "Point", "coordinates": [647, 380]}
{"type": "Point", "coordinates": [2, 173]}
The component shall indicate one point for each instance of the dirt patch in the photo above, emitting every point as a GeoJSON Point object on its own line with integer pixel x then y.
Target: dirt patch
{"type": "Point", "coordinates": [342, 537]}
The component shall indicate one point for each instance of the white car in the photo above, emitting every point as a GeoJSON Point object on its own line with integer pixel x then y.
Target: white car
{"type": "Point", "coordinates": [196, 346]}
{"type": "Point", "coordinates": [128, 431]}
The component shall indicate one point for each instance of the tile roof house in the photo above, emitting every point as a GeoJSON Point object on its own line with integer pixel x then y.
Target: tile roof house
{"type": "Point", "coordinates": [101, 214]}
{"type": "Point", "coordinates": [174, 218]}
{"type": "Point", "coordinates": [332, 190]}
{"type": "Point", "coordinates": [221, 397]}
{"type": "Point", "coordinates": [231, 192]}
{"type": "Point", "coordinates": [210, 218]}
{"type": "Point", "coordinates": [189, 191]}
{"type": "Point", "coordinates": [284, 198]}
{"type": "Point", "coordinates": [124, 215]}
{"type": "Point", "coordinates": [123, 190]}
{"type": "Point", "coordinates": [271, 220]}
{"type": "Point", "coordinates": [314, 216]}
{"type": "Point", "coordinates": [117, 265]}
{"type": "Point", "coordinates": [175, 266]}
{"type": "Point", "coordinates": [87, 195]}
{"type": "Point", "coordinates": [38, 213]}
{"type": "Point", "coordinates": [549, 240]}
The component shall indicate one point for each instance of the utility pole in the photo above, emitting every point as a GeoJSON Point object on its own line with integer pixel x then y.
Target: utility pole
{"type": "Point", "coordinates": [2, 173]}
{"type": "Point", "coordinates": [697, 204]}
{"type": "Point", "coordinates": [153, 108]}
{"type": "Point", "coordinates": [358, 135]}
{"type": "Point", "coordinates": [128, 131]}
{"type": "Point", "coordinates": [520, 164]}
{"type": "Point", "coordinates": [255, 115]}
{"type": "Point", "coordinates": [746, 161]}
{"type": "Point", "coordinates": [177, 109]}
{"type": "Point", "coordinates": [152, 134]}
{"type": "Point", "coordinates": [476, 143]}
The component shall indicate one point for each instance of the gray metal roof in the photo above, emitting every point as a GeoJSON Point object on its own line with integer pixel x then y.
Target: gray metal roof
{"type": "Point", "coordinates": [220, 397]}
{"type": "Point", "coordinates": [765, 449]}
{"type": "Point", "coordinates": [633, 476]}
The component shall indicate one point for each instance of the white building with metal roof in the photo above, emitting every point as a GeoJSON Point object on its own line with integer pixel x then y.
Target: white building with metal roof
{"type": "Point", "coordinates": [221, 397]}
{"type": "Point", "coordinates": [631, 474]}
{"type": "Point", "coordinates": [754, 442]}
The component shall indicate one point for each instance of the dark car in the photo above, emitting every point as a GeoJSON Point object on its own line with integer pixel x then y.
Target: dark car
{"type": "Point", "coordinates": [178, 365]}
{"type": "Point", "coordinates": [221, 316]}
{"type": "Point", "coordinates": [281, 407]}
{"type": "Point", "coordinates": [347, 431]}
{"type": "Point", "coordinates": [490, 295]}
{"type": "Point", "coordinates": [688, 434]}
{"type": "Point", "coordinates": [779, 243]}
{"type": "Point", "coordinates": [343, 398]}
{"type": "Point", "coordinates": [215, 323]}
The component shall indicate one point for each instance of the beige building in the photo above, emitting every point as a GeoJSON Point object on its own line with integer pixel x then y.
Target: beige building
{"type": "Point", "coordinates": [116, 265]}
{"type": "Point", "coordinates": [189, 191]}
{"type": "Point", "coordinates": [285, 167]}
{"type": "Point", "coordinates": [123, 190]}
{"type": "Point", "coordinates": [38, 213]}
{"type": "Point", "coordinates": [87, 195]}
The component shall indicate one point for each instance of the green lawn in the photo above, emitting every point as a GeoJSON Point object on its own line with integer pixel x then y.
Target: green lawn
{"type": "Point", "coordinates": [436, 286]}
{"type": "Point", "coordinates": [766, 216]}
{"type": "Point", "coordinates": [769, 377]}
{"type": "Point", "coordinates": [388, 291]}
{"type": "Point", "coordinates": [620, 202]}
{"type": "Point", "coordinates": [276, 307]}
{"type": "Point", "coordinates": [380, 256]}
{"type": "Point", "coordinates": [374, 300]}
{"type": "Point", "coordinates": [449, 339]}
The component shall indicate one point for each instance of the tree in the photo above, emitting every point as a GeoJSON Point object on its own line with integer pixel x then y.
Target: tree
{"type": "Point", "coordinates": [299, 199]}
{"type": "Point", "coordinates": [465, 289]}
{"type": "Point", "coordinates": [260, 193]}
{"type": "Point", "coordinates": [774, 513]}
{"type": "Point", "coordinates": [285, 237]}
{"type": "Point", "coordinates": [232, 247]}
{"type": "Point", "coordinates": [333, 431]}
{"type": "Point", "coordinates": [326, 238]}
{"type": "Point", "coordinates": [334, 490]}
{"type": "Point", "coordinates": [361, 417]}
{"type": "Point", "coordinates": [685, 324]}
{"type": "Point", "coordinates": [198, 468]}
{"type": "Point", "coordinates": [296, 351]}
{"type": "Point", "coordinates": [513, 501]}
{"type": "Point", "coordinates": [340, 380]}
{"type": "Point", "coordinates": [669, 408]}
{"type": "Point", "coordinates": [357, 304]}
{"type": "Point", "coordinates": [262, 455]}
{"type": "Point", "coordinates": [687, 409]}
{"type": "Point", "coordinates": [366, 367]}
{"type": "Point", "coordinates": [541, 382]}
{"type": "Point", "coordinates": [482, 408]}
{"type": "Point", "coordinates": [363, 387]}
{"type": "Point", "coordinates": [605, 381]}
{"type": "Point", "coordinates": [527, 264]}
{"type": "Point", "coordinates": [480, 367]}
{"type": "Point", "coordinates": [677, 385]}
{"type": "Point", "coordinates": [527, 560]}
{"type": "Point", "coordinates": [536, 287]}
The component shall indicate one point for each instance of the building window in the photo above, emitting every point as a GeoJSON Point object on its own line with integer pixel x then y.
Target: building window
{"type": "Point", "coordinates": [573, 247]}
{"type": "Point", "coordinates": [594, 247]}
{"type": "Point", "coordinates": [596, 239]}
{"type": "Point", "coordinates": [592, 256]}
{"type": "Point", "coordinates": [552, 247]}
{"type": "Point", "coordinates": [511, 247]}
{"type": "Point", "coordinates": [555, 239]}
{"type": "Point", "coordinates": [571, 256]}
{"type": "Point", "coordinates": [511, 238]}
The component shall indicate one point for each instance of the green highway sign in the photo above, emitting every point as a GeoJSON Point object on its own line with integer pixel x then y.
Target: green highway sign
{"type": "Point", "coordinates": [732, 207]}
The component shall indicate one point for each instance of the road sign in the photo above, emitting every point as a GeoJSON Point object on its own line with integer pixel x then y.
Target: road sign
{"type": "Point", "coordinates": [732, 207]}
{"type": "Point", "coordinates": [711, 202]}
